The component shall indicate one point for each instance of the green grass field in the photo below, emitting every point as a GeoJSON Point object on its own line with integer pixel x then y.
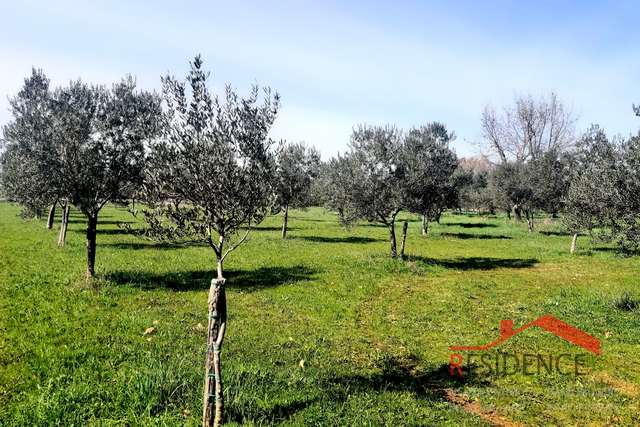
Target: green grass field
{"type": "Point", "coordinates": [324, 328]}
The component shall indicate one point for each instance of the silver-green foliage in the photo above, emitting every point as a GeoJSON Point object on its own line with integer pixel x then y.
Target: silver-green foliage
{"type": "Point", "coordinates": [603, 196]}
{"type": "Point", "coordinates": [210, 178]}
{"type": "Point", "coordinates": [82, 143]}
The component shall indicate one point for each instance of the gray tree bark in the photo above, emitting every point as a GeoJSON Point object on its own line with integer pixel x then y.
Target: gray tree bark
{"type": "Point", "coordinates": [213, 399]}
{"type": "Point", "coordinates": [52, 215]}
{"type": "Point", "coordinates": [425, 225]}
{"type": "Point", "coordinates": [515, 210]}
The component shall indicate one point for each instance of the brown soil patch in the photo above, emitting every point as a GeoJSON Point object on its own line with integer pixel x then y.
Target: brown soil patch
{"type": "Point", "coordinates": [630, 389]}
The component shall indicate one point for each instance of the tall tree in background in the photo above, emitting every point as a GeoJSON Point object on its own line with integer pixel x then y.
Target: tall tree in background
{"type": "Point", "coordinates": [429, 165]}
{"type": "Point", "coordinates": [522, 133]}
{"type": "Point", "coordinates": [82, 143]}
{"type": "Point", "coordinates": [527, 129]}
{"type": "Point", "coordinates": [297, 166]}
{"type": "Point", "coordinates": [216, 158]}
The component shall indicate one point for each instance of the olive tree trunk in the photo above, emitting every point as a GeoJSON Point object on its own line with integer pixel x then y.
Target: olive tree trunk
{"type": "Point", "coordinates": [52, 215]}
{"type": "Point", "coordinates": [286, 219]}
{"type": "Point", "coordinates": [213, 399]}
{"type": "Point", "coordinates": [92, 227]}
{"type": "Point", "coordinates": [392, 239]}
{"type": "Point", "coordinates": [529, 216]}
{"type": "Point", "coordinates": [515, 210]}
{"type": "Point", "coordinates": [425, 225]}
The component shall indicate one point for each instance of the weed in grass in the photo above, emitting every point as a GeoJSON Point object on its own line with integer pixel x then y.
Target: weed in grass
{"type": "Point", "coordinates": [626, 301]}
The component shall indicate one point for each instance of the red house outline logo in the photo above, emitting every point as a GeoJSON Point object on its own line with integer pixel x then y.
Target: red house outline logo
{"type": "Point", "coordinates": [551, 324]}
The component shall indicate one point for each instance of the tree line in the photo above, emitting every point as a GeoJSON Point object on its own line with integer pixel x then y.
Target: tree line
{"type": "Point", "coordinates": [87, 145]}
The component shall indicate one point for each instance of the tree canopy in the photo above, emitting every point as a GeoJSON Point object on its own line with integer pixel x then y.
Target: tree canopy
{"type": "Point", "coordinates": [214, 163]}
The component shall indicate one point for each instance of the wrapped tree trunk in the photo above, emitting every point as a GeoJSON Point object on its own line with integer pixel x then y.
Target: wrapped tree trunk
{"type": "Point", "coordinates": [63, 227]}
{"type": "Point", "coordinates": [213, 399]}
{"type": "Point", "coordinates": [573, 243]}
{"type": "Point", "coordinates": [404, 237]}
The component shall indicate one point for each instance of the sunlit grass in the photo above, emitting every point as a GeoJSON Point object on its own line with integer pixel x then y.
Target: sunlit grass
{"type": "Point", "coordinates": [324, 328]}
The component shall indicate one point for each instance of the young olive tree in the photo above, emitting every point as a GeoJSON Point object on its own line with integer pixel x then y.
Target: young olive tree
{"type": "Point", "coordinates": [297, 166]}
{"type": "Point", "coordinates": [334, 187]}
{"type": "Point", "coordinates": [83, 143]}
{"type": "Point", "coordinates": [475, 193]}
{"type": "Point", "coordinates": [211, 181]}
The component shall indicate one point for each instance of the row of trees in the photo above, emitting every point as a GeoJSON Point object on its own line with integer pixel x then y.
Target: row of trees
{"type": "Point", "coordinates": [530, 161]}
{"type": "Point", "coordinates": [204, 166]}
{"type": "Point", "coordinates": [386, 171]}
{"type": "Point", "coordinates": [207, 171]}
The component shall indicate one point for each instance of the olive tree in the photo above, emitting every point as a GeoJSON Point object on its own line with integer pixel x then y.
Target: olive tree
{"type": "Point", "coordinates": [602, 198]}
{"type": "Point", "coordinates": [21, 180]}
{"type": "Point", "coordinates": [210, 181]}
{"type": "Point", "coordinates": [82, 143]}
{"type": "Point", "coordinates": [22, 183]}
{"type": "Point", "coordinates": [429, 165]}
{"type": "Point", "coordinates": [297, 166]}
{"type": "Point", "coordinates": [376, 190]}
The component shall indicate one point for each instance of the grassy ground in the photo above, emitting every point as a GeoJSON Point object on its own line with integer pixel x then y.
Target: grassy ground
{"type": "Point", "coordinates": [324, 329]}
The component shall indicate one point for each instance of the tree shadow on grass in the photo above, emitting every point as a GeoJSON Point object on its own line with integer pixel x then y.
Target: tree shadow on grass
{"type": "Point", "coordinates": [393, 374]}
{"type": "Point", "coordinates": [109, 231]}
{"type": "Point", "coordinates": [469, 225]}
{"type": "Point", "coordinates": [148, 245]}
{"type": "Point", "coordinates": [473, 236]}
{"type": "Point", "coordinates": [476, 263]}
{"type": "Point", "coordinates": [274, 228]}
{"type": "Point", "coordinates": [348, 239]}
{"type": "Point", "coordinates": [275, 414]}
{"type": "Point", "coordinates": [402, 374]}
{"type": "Point", "coordinates": [556, 233]}
{"type": "Point", "coordinates": [245, 280]}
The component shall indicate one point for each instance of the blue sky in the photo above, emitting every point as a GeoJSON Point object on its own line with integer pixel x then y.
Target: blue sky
{"type": "Point", "coordinates": [338, 64]}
